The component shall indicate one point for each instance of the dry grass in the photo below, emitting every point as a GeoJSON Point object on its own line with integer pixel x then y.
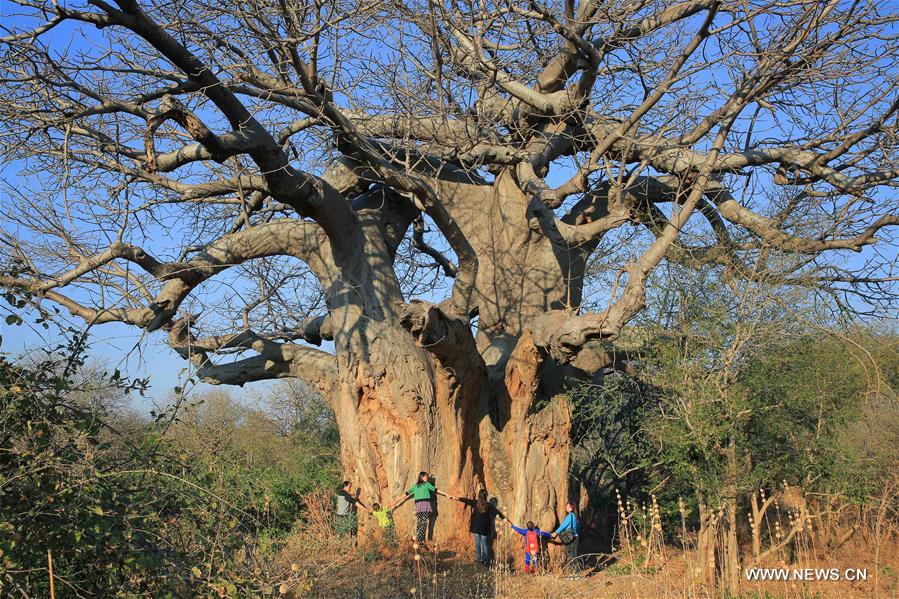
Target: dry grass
{"type": "Point", "coordinates": [317, 563]}
{"type": "Point", "coordinates": [449, 575]}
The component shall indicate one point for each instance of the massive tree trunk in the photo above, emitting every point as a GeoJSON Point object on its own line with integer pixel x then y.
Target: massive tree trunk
{"type": "Point", "coordinates": [409, 409]}
{"type": "Point", "coordinates": [420, 393]}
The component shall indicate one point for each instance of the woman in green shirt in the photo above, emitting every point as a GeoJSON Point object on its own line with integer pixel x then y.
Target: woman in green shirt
{"type": "Point", "coordinates": [421, 493]}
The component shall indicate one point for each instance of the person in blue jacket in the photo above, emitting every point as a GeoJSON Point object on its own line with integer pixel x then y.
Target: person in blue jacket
{"type": "Point", "coordinates": [568, 532]}
{"type": "Point", "coordinates": [532, 542]}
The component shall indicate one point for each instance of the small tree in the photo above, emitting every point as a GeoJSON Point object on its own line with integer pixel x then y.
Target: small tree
{"type": "Point", "coordinates": [242, 455]}
{"type": "Point", "coordinates": [298, 409]}
{"type": "Point", "coordinates": [611, 451]}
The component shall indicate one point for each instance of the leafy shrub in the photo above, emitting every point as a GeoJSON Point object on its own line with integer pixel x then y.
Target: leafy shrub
{"type": "Point", "coordinates": [124, 506]}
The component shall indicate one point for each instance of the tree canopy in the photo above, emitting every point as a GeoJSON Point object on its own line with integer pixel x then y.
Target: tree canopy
{"type": "Point", "coordinates": [257, 144]}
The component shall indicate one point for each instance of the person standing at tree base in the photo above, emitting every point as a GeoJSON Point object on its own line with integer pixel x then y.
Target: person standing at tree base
{"type": "Point", "coordinates": [568, 533]}
{"type": "Point", "coordinates": [532, 535]}
{"type": "Point", "coordinates": [421, 492]}
{"type": "Point", "coordinates": [385, 533]}
{"type": "Point", "coordinates": [483, 514]}
{"type": "Point", "coordinates": [346, 509]}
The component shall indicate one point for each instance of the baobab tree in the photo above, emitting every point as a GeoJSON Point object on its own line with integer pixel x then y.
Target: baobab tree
{"type": "Point", "coordinates": [438, 214]}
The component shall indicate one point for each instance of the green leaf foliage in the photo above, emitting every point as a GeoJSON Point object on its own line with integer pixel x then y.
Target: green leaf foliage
{"type": "Point", "coordinates": [133, 507]}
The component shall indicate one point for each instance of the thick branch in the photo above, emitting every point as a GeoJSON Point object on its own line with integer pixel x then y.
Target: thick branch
{"type": "Point", "coordinates": [289, 237]}
{"type": "Point", "coordinates": [296, 188]}
{"type": "Point", "coordinates": [274, 360]}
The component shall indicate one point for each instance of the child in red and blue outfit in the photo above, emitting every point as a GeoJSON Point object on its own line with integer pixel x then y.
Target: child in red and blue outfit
{"type": "Point", "coordinates": [531, 536]}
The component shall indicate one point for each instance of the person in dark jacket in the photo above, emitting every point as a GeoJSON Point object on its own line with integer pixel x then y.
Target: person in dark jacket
{"type": "Point", "coordinates": [483, 513]}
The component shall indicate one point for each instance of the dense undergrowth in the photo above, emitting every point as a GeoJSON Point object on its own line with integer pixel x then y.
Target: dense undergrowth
{"type": "Point", "coordinates": [117, 504]}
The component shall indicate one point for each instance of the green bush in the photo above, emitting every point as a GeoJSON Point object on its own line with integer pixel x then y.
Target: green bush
{"type": "Point", "coordinates": [130, 507]}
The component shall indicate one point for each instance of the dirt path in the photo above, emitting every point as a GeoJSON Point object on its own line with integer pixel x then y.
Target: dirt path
{"type": "Point", "coordinates": [427, 574]}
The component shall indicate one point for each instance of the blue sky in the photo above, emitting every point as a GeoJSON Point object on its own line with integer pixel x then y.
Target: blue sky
{"type": "Point", "coordinates": [122, 347]}
{"type": "Point", "coordinates": [135, 353]}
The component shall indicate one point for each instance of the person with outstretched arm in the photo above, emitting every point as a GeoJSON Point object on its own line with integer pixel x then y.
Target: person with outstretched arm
{"type": "Point", "coordinates": [421, 493]}
{"type": "Point", "coordinates": [569, 532]}
{"type": "Point", "coordinates": [483, 513]}
{"type": "Point", "coordinates": [346, 508]}
{"type": "Point", "coordinates": [531, 536]}
{"type": "Point", "coordinates": [383, 516]}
